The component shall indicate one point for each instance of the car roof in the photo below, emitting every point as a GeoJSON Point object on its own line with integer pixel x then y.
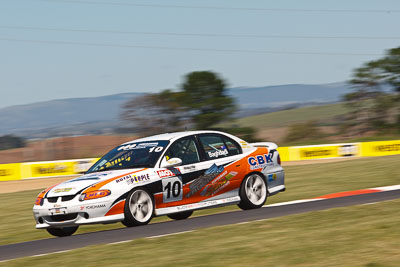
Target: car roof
{"type": "Point", "coordinates": [172, 136]}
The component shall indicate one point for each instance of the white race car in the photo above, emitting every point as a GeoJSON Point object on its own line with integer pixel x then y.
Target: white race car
{"type": "Point", "coordinates": [169, 174]}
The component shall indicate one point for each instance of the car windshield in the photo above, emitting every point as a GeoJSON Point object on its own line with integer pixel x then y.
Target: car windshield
{"type": "Point", "coordinates": [132, 155]}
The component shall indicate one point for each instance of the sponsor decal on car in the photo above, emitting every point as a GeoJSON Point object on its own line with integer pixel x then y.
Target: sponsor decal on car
{"type": "Point", "coordinates": [244, 144]}
{"type": "Point", "coordinates": [207, 203]}
{"type": "Point", "coordinates": [91, 207]}
{"type": "Point", "coordinates": [201, 181]}
{"type": "Point", "coordinates": [189, 168]}
{"type": "Point", "coordinates": [138, 146]}
{"type": "Point", "coordinates": [218, 153]}
{"type": "Point", "coordinates": [271, 177]}
{"type": "Point", "coordinates": [168, 173]}
{"type": "Point", "coordinates": [130, 179]}
{"type": "Point", "coordinates": [218, 184]}
{"type": "Point", "coordinates": [89, 177]}
{"type": "Point", "coordinates": [260, 161]}
{"type": "Point", "coordinates": [63, 190]}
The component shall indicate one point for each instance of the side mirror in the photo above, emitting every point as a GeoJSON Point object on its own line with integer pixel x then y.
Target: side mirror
{"type": "Point", "coordinates": [174, 162]}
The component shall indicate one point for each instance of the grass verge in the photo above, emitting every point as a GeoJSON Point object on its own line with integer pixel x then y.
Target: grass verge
{"type": "Point", "coordinates": [287, 117]}
{"type": "Point", "coordinates": [306, 181]}
{"type": "Point", "coordinates": [365, 235]}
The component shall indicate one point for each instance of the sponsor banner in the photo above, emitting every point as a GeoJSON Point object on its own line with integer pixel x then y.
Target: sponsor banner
{"type": "Point", "coordinates": [82, 165]}
{"type": "Point", "coordinates": [48, 169]}
{"type": "Point", "coordinates": [10, 172]}
{"type": "Point", "coordinates": [382, 148]}
{"type": "Point", "coordinates": [325, 151]}
{"type": "Point", "coordinates": [55, 168]}
{"type": "Point", "coordinates": [284, 153]}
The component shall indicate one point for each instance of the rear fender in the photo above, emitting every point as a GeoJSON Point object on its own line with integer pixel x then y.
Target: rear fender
{"type": "Point", "coordinates": [269, 145]}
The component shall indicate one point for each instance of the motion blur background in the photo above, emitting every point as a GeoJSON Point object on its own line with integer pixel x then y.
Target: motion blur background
{"type": "Point", "coordinates": [79, 77]}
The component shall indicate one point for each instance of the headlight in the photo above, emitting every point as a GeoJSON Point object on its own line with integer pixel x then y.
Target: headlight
{"type": "Point", "coordinates": [94, 195]}
{"type": "Point", "coordinates": [39, 201]}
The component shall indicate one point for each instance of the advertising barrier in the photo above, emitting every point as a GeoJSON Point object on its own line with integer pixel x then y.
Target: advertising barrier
{"type": "Point", "coordinates": [44, 169]}
{"type": "Point", "coordinates": [381, 148]}
{"type": "Point", "coordinates": [10, 172]}
{"type": "Point", "coordinates": [284, 153]}
{"type": "Point", "coordinates": [33, 170]}
{"type": "Point", "coordinates": [324, 151]}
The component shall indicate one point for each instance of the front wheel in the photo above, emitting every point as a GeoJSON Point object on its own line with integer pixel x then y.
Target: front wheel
{"type": "Point", "coordinates": [139, 208]}
{"type": "Point", "coordinates": [180, 215]}
{"type": "Point", "coordinates": [63, 231]}
{"type": "Point", "coordinates": [253, 192]}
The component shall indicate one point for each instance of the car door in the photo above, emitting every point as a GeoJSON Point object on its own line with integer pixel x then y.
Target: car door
{"type": "Point", "coordinates": [221, 176]}
{"type": "Point", "coordinates": [204, 158]}
{"type": "Point", "coordinates": [175, 182]}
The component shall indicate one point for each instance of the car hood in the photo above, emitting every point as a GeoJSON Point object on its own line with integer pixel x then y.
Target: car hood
{"type": "Point", "coordinates": [73, 186]}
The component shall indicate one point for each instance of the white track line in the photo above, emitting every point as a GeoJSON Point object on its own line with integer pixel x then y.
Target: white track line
{"type": "Point", "coordinates": [45, 254]}
{"type": "Point", "coordinates": [388, 188]}
{"type": "Point", "coordinates": [178, 233]}
{"type": "Point", "coordinates": [292, 202]}
{"type": "Point", "coordinates": [119, 242]}
{"type": "Point", "coordinates": [39, 255]}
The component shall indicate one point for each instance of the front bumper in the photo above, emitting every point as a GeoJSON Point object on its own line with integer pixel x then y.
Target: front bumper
{"type": "Point", "coordinates": [73, 214]}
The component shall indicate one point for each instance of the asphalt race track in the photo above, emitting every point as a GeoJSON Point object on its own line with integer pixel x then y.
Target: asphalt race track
{"type": "Point", "coordinates": [52, 245]}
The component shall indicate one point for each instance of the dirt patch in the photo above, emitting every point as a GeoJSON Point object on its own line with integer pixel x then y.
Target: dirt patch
{"type": "Point", "coordinates": [30, 184]}
{"type": "Point", "coordinates": [64, 148]}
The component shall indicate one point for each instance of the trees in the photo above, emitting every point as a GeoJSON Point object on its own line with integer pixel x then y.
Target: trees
{"type": "Point", "coordinates": [154, 113]}
{"type": "Point", "coordinates": [11, 141]}
{"type": "Point", "coordinates": [200, 103]}
{"type": "Point", "coordinates": [371, 106]}
{"type": "Point", "coordinates": [204, 95]}
{"type": "Point", "coordinates": [304, 131]}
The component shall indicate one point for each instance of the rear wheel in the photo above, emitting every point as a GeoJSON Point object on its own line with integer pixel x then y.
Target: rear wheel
{"type": "Point", "coordinates": [63, 231]}
{"type": "Point", "coordinates": [180, 215]}
{"type": "Point", "coordinates": [253, 192]}
{"type": "Point", "coordinates": [139, 208]}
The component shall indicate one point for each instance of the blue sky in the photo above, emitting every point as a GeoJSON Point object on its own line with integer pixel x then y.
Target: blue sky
{"type": "Point", "coordinates": [87, 50]}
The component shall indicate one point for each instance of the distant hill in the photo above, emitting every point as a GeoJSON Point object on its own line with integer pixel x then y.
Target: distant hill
{"type": "Point", "coordinates": [99, 115]}
{"type": "Point", "coordinates": [86, 115]}
{"type": "Point", "coordinates": [281, 95]}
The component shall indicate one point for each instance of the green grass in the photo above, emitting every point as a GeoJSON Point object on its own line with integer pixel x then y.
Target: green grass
{"type": "Point", "coordinates": [364, 235]}
{"type": "Point", "coordinates": [288, 117]}
{"type": "Point", "coordinates": [306, 181]}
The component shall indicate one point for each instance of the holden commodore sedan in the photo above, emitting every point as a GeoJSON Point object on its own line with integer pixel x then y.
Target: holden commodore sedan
{"type": "Point", "coordinates": [170, 174]}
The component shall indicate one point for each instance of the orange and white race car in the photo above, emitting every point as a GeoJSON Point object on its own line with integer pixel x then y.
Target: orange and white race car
{"type": "Point", "coordinates": [170, 174]}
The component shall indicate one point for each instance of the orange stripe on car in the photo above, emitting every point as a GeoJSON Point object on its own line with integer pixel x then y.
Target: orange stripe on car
{"type": "Point", "coordinates": [116, 209]}
{"type": "Point", "coordinates": [240, 166]}
{"type": "Point", "coordinates": [101, 184]}
{"type": "Point", "coordinates": [43, 193]}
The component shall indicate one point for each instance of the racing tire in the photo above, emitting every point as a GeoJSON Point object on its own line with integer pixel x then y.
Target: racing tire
{"type": "Point", "coordinates": [64, 231]}
{"type": "Point", "coordinates": [139, 208]}
{"type": "Point", "coordinates": [253, 192]}
{"type": "Point", "coordinates": [180, 215]}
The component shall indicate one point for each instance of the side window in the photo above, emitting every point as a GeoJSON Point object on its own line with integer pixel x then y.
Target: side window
{"type": "Point", "coordinates": [232, 146]}
{"type": "Point", "coordinates": [185, 149]}
{"type": "Point", "coordinates": [214, 146]}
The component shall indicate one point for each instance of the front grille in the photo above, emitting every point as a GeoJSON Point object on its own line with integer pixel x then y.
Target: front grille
{"type": "Point", "coordinates": [63, 217]}
{"type": "Point", "coordinates": [67, 198]}
{"type": "Point", "coordinates": [63, 198]}
{"type": "Point", "coordinates": [52, 199]}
